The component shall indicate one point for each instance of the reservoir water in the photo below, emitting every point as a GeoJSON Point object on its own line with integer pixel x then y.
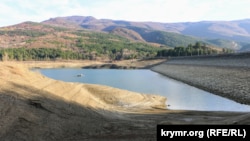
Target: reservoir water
{"type": "Point", "coordinates": [179, 95]}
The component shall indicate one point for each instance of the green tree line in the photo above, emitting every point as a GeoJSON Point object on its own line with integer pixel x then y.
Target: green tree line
{"type": "Point", "coordinates": [24, 54]}
{"type": "Point", "coordinates": [197, 49]}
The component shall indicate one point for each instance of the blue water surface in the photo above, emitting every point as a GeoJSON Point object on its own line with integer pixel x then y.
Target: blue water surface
{"type": "Point", "coordinates": [179, 95]}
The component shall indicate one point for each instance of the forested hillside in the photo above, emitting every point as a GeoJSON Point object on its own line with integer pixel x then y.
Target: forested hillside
{"type": "Point", "coordinates": [34, 41]}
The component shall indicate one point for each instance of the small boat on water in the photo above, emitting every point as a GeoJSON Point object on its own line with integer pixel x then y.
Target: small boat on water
{"type": "Point", "coordinates": [80, 75]}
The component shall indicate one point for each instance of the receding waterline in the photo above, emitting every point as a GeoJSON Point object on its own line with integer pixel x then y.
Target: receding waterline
{"type": "Point", "coordinates": [179, 95]}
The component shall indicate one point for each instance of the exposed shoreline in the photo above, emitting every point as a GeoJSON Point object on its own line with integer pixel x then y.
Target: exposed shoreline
{"type": "Point", "coordinates": [125, 64]}
{"type": "Point", "coordinates": [227, 76]}
{"type": "Point", "coordinates": [34, 107]}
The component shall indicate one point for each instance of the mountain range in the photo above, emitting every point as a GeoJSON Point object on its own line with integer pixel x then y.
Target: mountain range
{"type": "Point", "coordinates": [65, 31]}
{"type": "Point", "coordinates": [227, 34]}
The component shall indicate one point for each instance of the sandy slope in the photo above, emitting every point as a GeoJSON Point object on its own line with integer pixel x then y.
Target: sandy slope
{"type": "Point", "coordinates": [32, 103]}
{"type": "Point", "coordinates": [33, 107]}
{"type": "Point", "coordinates": [20, 79]}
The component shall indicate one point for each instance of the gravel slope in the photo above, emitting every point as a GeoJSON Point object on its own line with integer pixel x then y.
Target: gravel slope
{"type": "Point", "coordinates": [226, 75]}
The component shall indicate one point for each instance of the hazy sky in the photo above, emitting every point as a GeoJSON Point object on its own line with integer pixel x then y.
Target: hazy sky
{"type": "Point", "coordinates": [16, 11]}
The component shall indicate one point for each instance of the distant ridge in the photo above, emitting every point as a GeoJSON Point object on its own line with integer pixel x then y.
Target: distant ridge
{"type": "Point", "coordinates": [201, 29]}
{"type": "Point", "coordinates": [65, 31]}
{"type": "Point", "coordinates": [235, 34]}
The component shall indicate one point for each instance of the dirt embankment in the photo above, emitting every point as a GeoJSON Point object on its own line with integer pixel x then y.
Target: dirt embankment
{"type": "Point", "coordinates": [124, 64]}
{"type": "Point", "coordinates": [33, 107]}
{"type": "Point", "coordinates": [224, 75]}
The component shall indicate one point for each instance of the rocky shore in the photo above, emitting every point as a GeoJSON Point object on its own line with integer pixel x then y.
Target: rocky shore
{"type": "Point", "coordinates": [224, 75]}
